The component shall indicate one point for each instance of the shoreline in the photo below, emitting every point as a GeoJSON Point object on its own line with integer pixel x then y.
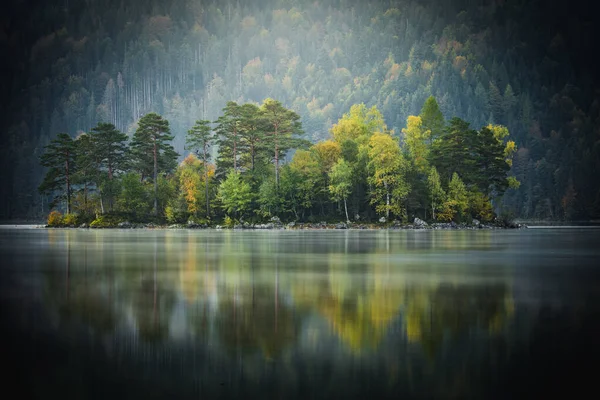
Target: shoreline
{"type": "Point", "coordinates": [421, 226]}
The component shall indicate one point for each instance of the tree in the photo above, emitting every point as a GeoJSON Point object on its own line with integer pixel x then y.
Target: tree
{"type": "Point", "coordinates": [283, 128]}
{"type": "Point", "coordinates": [491, 164]}
{"type": "Point", "coordinates": [341, 182]}
{"type": "Point", "coordinates": [228, 130]}
{"type": "Point", "coordinates": [436, 192]}
{"type": "Point", "coordinates": [190, 182]}
{"type": "Point", "coordinates": [252, 137]}
{"type": "Point", "coordinates": [235, 194]}
{"type": "Point", "coordinates": [415, 138]}
{"type": "Point", "coordinates": [151, 149]}
{"type": "Point", "coordinates": [59, 157]}
{"type": "Point", "coordinates": [305, 167]}
{"type": "Point", "coordinates": [87, 173]}
{"type": "Point", "coordinates": [456, 203]}
{"type": "Point", "coordinates": [387, 169]}
{"type": "Point", "coordinates": [453, 152]}
{"type": "Point", "coordinates": [432, 119]}
{"type": "Point", "coordinates": [111, 152]}
{"type": "Point", "coordinates": [199, 139]}
{"type": "Point", "coordinates": [134, 196]}
{"type": "Point", "coordinates": [110, 145]}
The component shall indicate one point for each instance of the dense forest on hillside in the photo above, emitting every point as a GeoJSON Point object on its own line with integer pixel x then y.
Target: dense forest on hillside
{"type": "Point", "coordinates": [115, 61]}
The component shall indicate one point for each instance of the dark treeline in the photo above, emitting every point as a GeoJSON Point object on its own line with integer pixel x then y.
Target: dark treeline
{"type": "Point", "coordinates": [439, 171]}
{"type": "Point", "coordinates": [74, 64]}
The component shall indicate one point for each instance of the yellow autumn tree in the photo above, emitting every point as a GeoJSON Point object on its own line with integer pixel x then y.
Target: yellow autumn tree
{"type": "Point", "coordinates": [416, 139]}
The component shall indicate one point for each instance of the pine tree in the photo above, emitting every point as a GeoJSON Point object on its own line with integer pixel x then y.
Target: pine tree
{"type": "Point", "coordinates": [199, 139]}
{"type": "Point", "coordinates": [59, 156]}
{"type": "Point", "coordinates": [151, 151]}
{"type": "Point", "coordinates": [228, 133]}
{"type": "Point", "coordinates": [283, 128]}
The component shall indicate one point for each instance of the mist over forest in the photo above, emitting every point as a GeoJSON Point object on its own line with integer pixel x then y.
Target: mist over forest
{"type": "Point", "coordinates": [72, 64]}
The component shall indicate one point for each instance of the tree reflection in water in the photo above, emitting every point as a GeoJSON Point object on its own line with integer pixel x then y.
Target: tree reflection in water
{"type": "Point", "coordinates": [245, 301]}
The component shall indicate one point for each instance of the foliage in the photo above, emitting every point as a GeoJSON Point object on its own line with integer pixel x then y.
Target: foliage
{"type": "Point", "coordinates": [235, 195]}
{"type": "Point", "coordinates": [69, 220]}
{"type": "Point", "coordinates": [59, 157]}
{"type": "Point", "coordinates": [387, 169]}
{"type": "Point", "coordinates": [341, 182]}
{"type": "Point", "coordinates": [55, 219]}
{"type": "Point", "coordinates": [437, 195]}
{"type": "Point", "coordinates": [134, 195]}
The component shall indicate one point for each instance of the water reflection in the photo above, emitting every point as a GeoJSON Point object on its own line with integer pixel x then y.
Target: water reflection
{"type": "Point", "coordinates": [260, 294]}
{"type": "Point", "coordinates": [315, 312]}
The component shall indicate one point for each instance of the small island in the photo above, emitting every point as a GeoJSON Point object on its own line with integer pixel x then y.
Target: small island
{"type": "Point", "coordinates": [434, 174]}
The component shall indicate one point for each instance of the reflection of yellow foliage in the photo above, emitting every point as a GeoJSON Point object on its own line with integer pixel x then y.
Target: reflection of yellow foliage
{"type": "Point", "coordinates": [188, 274]}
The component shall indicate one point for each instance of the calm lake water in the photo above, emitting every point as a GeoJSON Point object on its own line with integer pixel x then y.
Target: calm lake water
{"type": "Point", "coordinates": [297, 315]}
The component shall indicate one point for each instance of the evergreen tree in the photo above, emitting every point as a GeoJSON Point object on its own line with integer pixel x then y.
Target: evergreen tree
{"type": "Point", "coordinates": [283, 128]}
{"type": "Point", "coordinates": [228, 133]}
{"type": "Point", "coordinates": [151, 151]}
{"type": "Point", "coordinates": [432, 119]}
{"type": "Point", "coordinates": [111, 152]}
{"type": "Point", "coordinates": [59, 157]}
{"type": "Point", "coordinates": [199, 139]}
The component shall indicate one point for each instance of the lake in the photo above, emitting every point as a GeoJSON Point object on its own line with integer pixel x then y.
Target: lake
{"type": "Point", "coordinates": [299, 314]}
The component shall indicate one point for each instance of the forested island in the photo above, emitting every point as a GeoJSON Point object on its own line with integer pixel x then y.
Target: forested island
{"type": "Point", "coordinates": [437, 170]}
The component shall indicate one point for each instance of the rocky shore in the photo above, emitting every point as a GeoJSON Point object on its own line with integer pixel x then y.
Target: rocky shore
{"type": "Point", "coordinates": [276, 224]}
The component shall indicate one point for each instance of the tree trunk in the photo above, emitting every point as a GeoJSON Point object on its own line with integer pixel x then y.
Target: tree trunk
{"type": "Point", "coordinates": [234, 148]}
{"type": "Point", "coordinates": [155, 180]}
{"type": "Point", "coordinates": [68, 185]}
{"type": "Point", "coordinates": [387, 202]}
{"type": "Point", "coordinates": [346, 208]}
{"type": "Point", "coordinates": [206, 182]}
{"type": "Point", "coordinates": [276, 165]}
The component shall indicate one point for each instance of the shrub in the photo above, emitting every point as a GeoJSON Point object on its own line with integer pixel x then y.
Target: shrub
{"type": "Point", "coordinates": [70, 219]}
{"type": "Point", "coordinates": [107, 221]}
{"type": "Point", "coordinates": [229, 222]}
{"type": "Point", "coordinates": [55, 219]}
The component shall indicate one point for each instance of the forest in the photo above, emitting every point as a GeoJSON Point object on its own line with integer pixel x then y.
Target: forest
{"type": "Point", "coordinates": [442, 171]}
{"type": "Point", "coordinates": [79, 64]}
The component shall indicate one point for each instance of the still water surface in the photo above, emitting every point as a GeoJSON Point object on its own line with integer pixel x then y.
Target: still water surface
{"type": "Point", "coordinates": [308, 314]}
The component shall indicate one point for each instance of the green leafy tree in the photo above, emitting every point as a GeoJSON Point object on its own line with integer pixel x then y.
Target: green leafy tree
{"type": "Point", "coordinates": [59, 157]}
{"type": "Point", "coordinates": [235, 195]}
{"type": "Point", "coordinates": [387, 169]}
{"type": "Point", "coordinates": [133, 197]}
{"type": "Point", "coordinates": [306, 171]}
{"type": "Point", "coordinates": [341, 183]}
{"type": "Point", "coordinates": [415, 139]}
{"type": "Point", "coordinates": [199, 139]}
{"type": "Point", "coordinates": [151, 150]}
{"type": "Point", "coordinates": [457, 202]}
{"type": "Point", "coordinates": [437, 195]}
